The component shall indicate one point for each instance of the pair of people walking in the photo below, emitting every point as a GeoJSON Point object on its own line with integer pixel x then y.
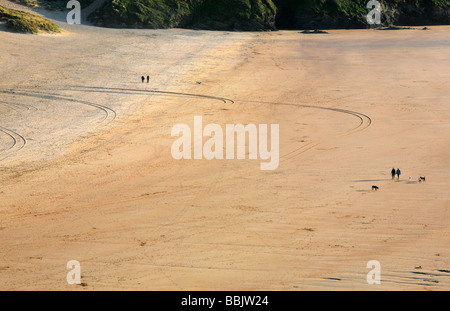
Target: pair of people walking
{"type": "Point", "coordinates": [143, 79]}
{"type": "Point", "coordinates": [396, 172]}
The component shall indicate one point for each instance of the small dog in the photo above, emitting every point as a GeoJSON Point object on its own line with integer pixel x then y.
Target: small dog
{"type": "Point", "coordinates": [422, 179]}
{"type": "Point", "coordinates": [375, 188]}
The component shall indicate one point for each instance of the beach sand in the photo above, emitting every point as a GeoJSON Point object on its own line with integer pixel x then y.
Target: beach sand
{"type": "Point", "coordinates": [87, 173]}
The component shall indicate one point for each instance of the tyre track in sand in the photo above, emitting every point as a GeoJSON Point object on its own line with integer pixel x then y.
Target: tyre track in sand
{"type": "Point", "coordinates": [18, 141]}
{"type": "Point", "coordinates": [138, 91]}
{"type": "Point", "coordinates": [110, 114]}
{"type": "Point", "coordinates": [364, 122]}
{"type": "Point", "coordinates": [14, 106]}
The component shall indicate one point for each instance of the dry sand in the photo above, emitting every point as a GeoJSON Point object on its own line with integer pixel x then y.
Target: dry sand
{"type": "Point", "coordinates": [86, 171]}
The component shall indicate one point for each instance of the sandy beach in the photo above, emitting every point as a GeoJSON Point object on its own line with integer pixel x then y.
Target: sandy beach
{"type": "Point", "coordinates": [86, 171]}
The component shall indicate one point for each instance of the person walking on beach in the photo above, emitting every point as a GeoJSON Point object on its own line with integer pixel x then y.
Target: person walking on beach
{"type": "Point", "coordinates": [393, 173]}
{"type": "Point", "coordinates": [143, 79]}
{"type": "Point", "coordinates": [148, 79]}
{"type": "Point", "coordinates": [398, 173]}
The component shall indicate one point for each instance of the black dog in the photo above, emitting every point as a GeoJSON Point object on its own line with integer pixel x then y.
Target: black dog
{"type": "Point", "coordinates": [422, 179]}
{"type": "Point", "coordinates": [375, 188]}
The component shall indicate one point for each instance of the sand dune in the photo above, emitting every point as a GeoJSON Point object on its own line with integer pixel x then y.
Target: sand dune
{"type": "Point", "coordinates": [86, 170]}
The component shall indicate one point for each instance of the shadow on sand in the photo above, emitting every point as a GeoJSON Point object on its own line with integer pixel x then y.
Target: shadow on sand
{"type": "Point", "coordinates": [369, 180]}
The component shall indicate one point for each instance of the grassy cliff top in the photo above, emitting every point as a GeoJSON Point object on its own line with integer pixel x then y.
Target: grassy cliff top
{"type": "Point", "coordinates": [266, 14]}
{"type": "Point", "coordinates": [51, 4]}
{"type": "Point", "coordinates": [252, 14]}
{"type": "Point", "coordinates": [205, 14]}
{"type": "Point", "coordinates": [26, 22]}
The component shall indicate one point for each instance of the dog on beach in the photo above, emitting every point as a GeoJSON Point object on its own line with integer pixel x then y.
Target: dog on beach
{"type": "Point", "coordinates": [422, 179]}
{"type": "Point", "coordinates": [375, 188]}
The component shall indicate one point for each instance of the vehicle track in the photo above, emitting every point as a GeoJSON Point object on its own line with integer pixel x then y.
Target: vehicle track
{"type": "Point", "coordinates": [110, 114]}
{"type": "Point", "coordinates": [14, 106]}
{"type": "Point", "coordinates": [121, 90]}
{"type": "Point", "coordinates": [364, 122]}
{"type": "Point", "coordinates": [18, 142]}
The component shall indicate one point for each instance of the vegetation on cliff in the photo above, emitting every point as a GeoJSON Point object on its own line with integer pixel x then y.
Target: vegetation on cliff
{"type": "Point", "coordinates": [312, 14]}
{"type": "Point", "coordinates": [258, 14]}
{"type": "Point", "coordinates": [204, 14]}
{"type": "Point", "coordinates": [51, 4]}
{"type": "Point", "coordinates": [267, 14]}
{"type": "Point", "coordinates": [26, 22]}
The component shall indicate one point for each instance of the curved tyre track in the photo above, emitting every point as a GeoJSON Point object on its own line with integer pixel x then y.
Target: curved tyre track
{"type": "Point", "coordinates": [18, 142]}
{"type": "Point", "coordinates": [364, 122]}
{"type": "Point", "coordinates": [110, 114]}
{"type": "Point", "coordinates": [14, 106]}
{"type": "Point", "coordinates": [137, 91]}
